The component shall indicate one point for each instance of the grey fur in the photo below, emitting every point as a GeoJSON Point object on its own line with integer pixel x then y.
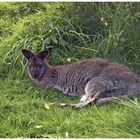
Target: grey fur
{"type": "Point", "coordinates": [94, 79]}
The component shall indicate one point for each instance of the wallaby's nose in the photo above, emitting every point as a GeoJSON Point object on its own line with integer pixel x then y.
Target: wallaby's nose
{"type": "Point", "coordinates": [35, 74]}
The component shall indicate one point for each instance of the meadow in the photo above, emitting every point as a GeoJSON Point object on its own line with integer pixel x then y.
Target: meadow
{"type": "Point", "coordinates": [71, 32]}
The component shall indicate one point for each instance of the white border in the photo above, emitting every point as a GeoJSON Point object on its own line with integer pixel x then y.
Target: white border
{"type": "Point", "coordinates": [69, 138]}
{"type": "Point", "coordinates": [69, 0]}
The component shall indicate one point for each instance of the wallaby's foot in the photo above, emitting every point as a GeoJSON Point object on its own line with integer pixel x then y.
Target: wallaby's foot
{"type": "Point", "coordinates": [66, 105]}
{"type": "Point", "coordinates": [78, 105]}
{"type": "Point", "coordinates": [72, 106]}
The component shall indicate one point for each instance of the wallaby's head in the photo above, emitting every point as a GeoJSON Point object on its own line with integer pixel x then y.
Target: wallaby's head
{"type": "Point", "coordinates": [36, 64]}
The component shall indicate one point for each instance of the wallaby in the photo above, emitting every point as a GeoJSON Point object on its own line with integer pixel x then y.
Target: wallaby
{"type": "Point", "coordinates": [94, 80]}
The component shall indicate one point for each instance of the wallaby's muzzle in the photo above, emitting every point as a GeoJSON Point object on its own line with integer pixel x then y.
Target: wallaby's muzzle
{"type": "Point", "coordinates": [35, 75]}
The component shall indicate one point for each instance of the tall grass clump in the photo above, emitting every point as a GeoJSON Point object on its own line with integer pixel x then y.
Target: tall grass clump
{"type": "Point", "coordinates": [88, 29]}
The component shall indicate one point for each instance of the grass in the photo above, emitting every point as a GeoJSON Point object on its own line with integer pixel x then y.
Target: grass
{"type": "Point", "coordinates": [23, 115]}
{"type": "Point", "coordinates": [74, 33]}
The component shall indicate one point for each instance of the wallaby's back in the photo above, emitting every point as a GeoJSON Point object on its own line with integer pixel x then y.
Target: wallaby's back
{"type": "Point", "coordinates": [72, 78]}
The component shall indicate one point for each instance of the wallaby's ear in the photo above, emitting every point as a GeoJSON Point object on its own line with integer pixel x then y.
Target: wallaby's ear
{"type": "Point", "coordinates": [42, 55]}
{"type": "Point", "coordinates": [27, 54]}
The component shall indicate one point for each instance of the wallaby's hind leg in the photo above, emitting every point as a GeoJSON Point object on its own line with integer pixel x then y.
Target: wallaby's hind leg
{"type": "Point", "coordinates": [85, 100]}
{"type": "Point", "coordinates": [98, 102]}
{"type": "Point", "coordinates": [102, 91]}
{"type": "Point", "coordinates": [94, 89]}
